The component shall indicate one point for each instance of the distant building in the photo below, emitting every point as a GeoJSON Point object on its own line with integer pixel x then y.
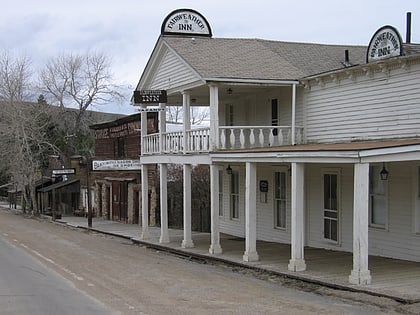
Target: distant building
{"type": "Point", "coordinates": [116, 173]}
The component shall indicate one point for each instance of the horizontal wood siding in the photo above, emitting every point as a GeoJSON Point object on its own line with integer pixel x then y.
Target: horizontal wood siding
{"type": "Point", "coordinates": [399, 240]}
{"type": "Point", "coordinates": [366, 108]}
{"type": "Point", "coordinates": [266, 230]}
{"type": "Point", "coordinates": [172, 72]}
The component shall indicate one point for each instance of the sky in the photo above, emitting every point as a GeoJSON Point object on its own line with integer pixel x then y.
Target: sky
{"type": "Point", "coordinates": [127, 30]}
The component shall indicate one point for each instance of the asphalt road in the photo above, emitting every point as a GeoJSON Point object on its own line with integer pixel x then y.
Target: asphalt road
{"type": "Point", "coordinates": [27, 287]}
{"type": "Point", "coordinates": [132, 279]}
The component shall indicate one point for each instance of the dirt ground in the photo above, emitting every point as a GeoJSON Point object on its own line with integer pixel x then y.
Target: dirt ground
{"type": "Point", "coordinates": [134, 279]}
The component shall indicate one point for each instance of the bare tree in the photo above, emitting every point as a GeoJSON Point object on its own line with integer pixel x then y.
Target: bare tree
{"type": "Point", "coordinates": [198, 115]}
{"type": "Point", "coordinates": [76, 83]}
{"type": "Point", "coordinates": [15, 77]}
{"type": "Point", "coordinates": [23, 128]}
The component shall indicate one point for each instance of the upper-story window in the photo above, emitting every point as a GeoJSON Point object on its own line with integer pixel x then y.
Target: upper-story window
{"type": "Point", "coordinates": [229, 115]}
{"type": "Point", "coordinates": [275, 115]}
{"type": "Point", "coordinates": [120, 148]}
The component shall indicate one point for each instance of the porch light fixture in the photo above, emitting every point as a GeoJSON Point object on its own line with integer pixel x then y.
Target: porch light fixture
{"type": "Point", "coordinates": [229, 91]}
{"type": "Point", "coordinates": [229, 170]}
{"type": "Point", "coordinates": [384, 173]}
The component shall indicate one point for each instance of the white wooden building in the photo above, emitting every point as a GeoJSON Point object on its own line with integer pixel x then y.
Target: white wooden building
{"type": "Point", "coordinates": [299, 137]}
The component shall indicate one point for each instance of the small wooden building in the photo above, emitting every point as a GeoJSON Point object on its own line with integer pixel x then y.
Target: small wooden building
{"type": "Point", "coordinates": [116, 173]}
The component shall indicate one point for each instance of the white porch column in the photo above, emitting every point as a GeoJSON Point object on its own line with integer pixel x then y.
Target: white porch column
{"type": "Point", "coordinates": [297, 261]}
{"type": "Point", "coordinates": [293, 114]}
{"type": "Point", "coordinates": [144, 202]}
{"type": "Point", "coordinates": [187, 241]}
{"type": "Point", "coordinates": [186, 120]}
{"type": "Point", "coordinates": [164, 236]}
{"type": "Point", "coordinates": [214, 117]}
{"type": "Point", "coordinates": [162, 126]}
{"type": "Point", "coordinates": [143, 126]}
{"type": "Point", "coordinates": [360, 273]}
{"type": "Point", "coordinates": [251, 213]}
{"type": "Point", "coordinates": [215, 247]}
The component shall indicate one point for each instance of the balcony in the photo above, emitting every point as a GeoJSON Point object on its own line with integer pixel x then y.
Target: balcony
{"type": "Point", "coordinates": [230, 138]}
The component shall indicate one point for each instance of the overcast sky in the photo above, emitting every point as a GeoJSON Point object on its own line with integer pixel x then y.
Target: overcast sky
{"type": "Point", "coordinates": [127, 30]}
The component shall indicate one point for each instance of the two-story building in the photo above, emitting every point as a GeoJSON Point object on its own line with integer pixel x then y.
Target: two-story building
{"type": "Point", "coordinates": [116, 169]}
{"type": "Point", "coordinates": [308, 144]}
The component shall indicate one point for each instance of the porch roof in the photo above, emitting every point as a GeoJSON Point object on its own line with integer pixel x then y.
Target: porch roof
{"type": "Point", "coordinates": [350, 146]}
{"type": "Point", "coordinates": [59, 185]}
{"type": "Point", "coordinates": [352, 152]}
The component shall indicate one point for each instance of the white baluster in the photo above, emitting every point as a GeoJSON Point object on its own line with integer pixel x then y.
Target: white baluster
{"type": "Point", "coordinates": [242, 138]}
{"type": "Point", "coordinates": [261, 137]}
{"type": "Point", "coordinates": [271, 137]}
{"type": "Point", "coordinates": [251, 138]}
{"type": "Point", "coordinates": [280, 136]}
{"type": "Point", "coordinates": [223, 138]}
{"type": "Point", "coordinates": [232, 139]}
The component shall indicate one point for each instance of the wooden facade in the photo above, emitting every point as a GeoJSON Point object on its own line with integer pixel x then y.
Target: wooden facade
{"type": "Point", "coordinates": [116, 174]}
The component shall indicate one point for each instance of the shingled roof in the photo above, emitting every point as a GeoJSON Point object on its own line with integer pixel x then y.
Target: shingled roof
{"type": "Point", "coordinates": [261, 59]}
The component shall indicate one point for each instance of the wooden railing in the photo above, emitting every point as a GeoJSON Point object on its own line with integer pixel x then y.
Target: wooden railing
{"type": "Point", "coordinates": [230, 138]}
{"type": "Point", "coordinates": [246, 137]}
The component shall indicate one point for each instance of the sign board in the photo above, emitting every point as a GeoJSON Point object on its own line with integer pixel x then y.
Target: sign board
{"type": "Point", "coordinates": [116, 165]}
{"type": "Point", "coordinates": [64, 171]}
{"type": "Point", "coordinates": [150, 97]}
{"type": "Point", "coordinates": [385, 43]}
{"type": "Point", "coordinates": [186, 22]}
{"type": "Point", "coordinates": [150, 110]}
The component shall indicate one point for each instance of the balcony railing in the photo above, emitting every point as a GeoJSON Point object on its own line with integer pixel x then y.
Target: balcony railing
{"type": "Point", "coordinates": [246, 137]}
{"type": "Point", "coordinates": [230, 138]}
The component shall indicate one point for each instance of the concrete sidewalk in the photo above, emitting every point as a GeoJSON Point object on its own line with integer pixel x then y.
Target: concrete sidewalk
{"type": "Point", "coordinates": [391, 278]}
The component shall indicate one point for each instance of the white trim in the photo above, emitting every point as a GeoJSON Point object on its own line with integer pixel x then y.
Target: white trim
{"type": "Point", "coordinates": [385, 226]}
{"type": "Point", "coordinates": [332, 171]}
{"type": "Point", "coordinates": [240, 81]}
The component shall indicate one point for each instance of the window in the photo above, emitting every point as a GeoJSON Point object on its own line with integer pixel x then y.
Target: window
{"type": "Point", "coordinates": [331, 205]}
{"type": "Point", "coordinates": [119, 148]}
{"type": "Point", "coordinates": [274, 115]}
{"type": "Point", "coordinates": [229, 115]}
{"type": "Point", "coordinates": [221, 193]}
{"type": "Point", "coordinates": [377, 198]}
{"type": "Point", "coordinates": [417, 203]}
{"type": "Point", "coordinates": [280, 201]}
{"type": "Point", "coordinates": [234, 195]}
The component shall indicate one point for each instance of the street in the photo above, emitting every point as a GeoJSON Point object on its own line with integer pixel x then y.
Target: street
{"type": "Point", "coordinates": [133, 279]}
{"type": "Point", "coordinates": [27, 287]}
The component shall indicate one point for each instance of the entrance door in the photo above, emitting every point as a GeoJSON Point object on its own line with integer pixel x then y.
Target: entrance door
{"type": "Point", "coordinates": [331, 206]}
{"type": "Point", "coordinates": [119, 201]}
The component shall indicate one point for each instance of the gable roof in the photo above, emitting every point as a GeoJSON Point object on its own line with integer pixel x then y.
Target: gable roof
{"type": "Point", "coordinates": [260, 59]}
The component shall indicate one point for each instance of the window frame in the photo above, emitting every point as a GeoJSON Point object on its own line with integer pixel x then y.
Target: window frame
{"type": "Point", "coordinates": [284, 198]}
{"type": "Point", "coordinates": [221, 194]}
{"type": "Point", "coordinates": [377, 168]}
{"type": "Point", "coordinates": [234, 196]}
{"type": "Point", "coordinates": [336, 172]}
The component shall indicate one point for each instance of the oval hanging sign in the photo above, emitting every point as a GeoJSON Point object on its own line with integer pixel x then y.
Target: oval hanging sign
{"type": "Point", "coordinates": [385, 43]}
{"type": "Point", "coordinates": [186, 22]}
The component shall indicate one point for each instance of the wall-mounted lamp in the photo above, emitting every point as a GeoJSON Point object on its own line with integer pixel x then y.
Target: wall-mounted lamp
{"type": "Point", "coordinates": [229, 91]}
{"type": "Point", "coordinates": [384, 173]}
{"type": "Point", "coordinates": [229, 170]}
